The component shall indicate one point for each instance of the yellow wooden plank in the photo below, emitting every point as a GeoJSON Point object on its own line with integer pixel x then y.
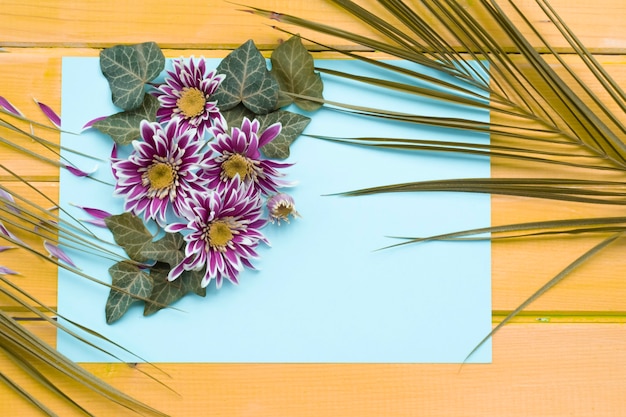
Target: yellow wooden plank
{"type": "Point", "coordinates": [218, 24]}
{"type": "Point", "coordinates": [36, 275]}
{"type": "Point", "coordinates": [537, 370]}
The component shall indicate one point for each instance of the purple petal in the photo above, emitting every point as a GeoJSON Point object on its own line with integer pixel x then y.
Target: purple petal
{"type": "Point", "coordinates": [176, 271]}
{"type": "Point", "coordinates": [94, 212]}
{"type": "Point", "coordinates": [50, 114]}
{"type": "Point", "coordinates": [4, 103]}
{"type": "Point", "coordinates": [175, 227]}
{"type": "Point", "coordinates": [10, 235]}
{"type": "Point", "coordinates": [92, 122]}
{"type": "Point", "coordinates": [3, 248]}
{"type": "Point", "coordinates": [6, 271]}
{"type": "Point", "coordinates": [97, 214]}
{"type": "Point", "coordinates": [8, 197]}
{"type": "Point", "coordinates": [96, 222]}
{"type": "Point", "coordinates": [269, 134]}
{"type": "Point", "coordinates": [57, 252]}
{"type": "Point", "coordinates": [78, 172]}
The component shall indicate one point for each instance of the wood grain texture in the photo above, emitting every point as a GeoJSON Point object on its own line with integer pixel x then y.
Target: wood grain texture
{"type": "Point", "coordinates": [572, 365]}
{"type": "Point", "coordinates": [218, 24]}
{"type": "Point", "coordinates": [537, 370]}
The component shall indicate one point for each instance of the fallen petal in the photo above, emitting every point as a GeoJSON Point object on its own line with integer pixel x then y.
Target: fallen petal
{"type": "Point", "coordinates": [7, 233]}
{"type": "Point", "coordinates": [97, 214]}
{"type": "Point", "coordinates": [90, 123]}
{"type": "Point", "coordinates": [79, 172]}
{"type": "Point", "coordinates": [94, 212]}
{"type": "Point", "coordinates": [57, 252]}
{"type": "Point", "coordinates": [4, 103]}
{"type": "Point", "coordinates": [6, 271]}
{"type": "Point", "coordinates": [8, 197]}
{"type": "Point", "coordinates": [114, 158]}
{"type": "Point", "coordinates": [50, 114]}
{"type": "Point", "coordinates": [96, 222]}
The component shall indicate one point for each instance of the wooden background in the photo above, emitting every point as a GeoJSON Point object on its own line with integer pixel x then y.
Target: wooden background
{"type": "Point", "coordinates": [566, 355]}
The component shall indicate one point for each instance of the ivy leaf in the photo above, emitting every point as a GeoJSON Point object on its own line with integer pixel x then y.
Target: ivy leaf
{"type": "Point", "coordinates": [293, 125]}
{"type": "Point", "coordinates": [123, 127]}
{"type": "Point", "coordinates": [235, 116]}
{"type": "Point", "coordinates": [167, 249]}
{"type": "Point", "coordinates": [293, 67]}
{"type": "Point", "coordinates": [247, 81]}
{"type": "Point", "coordinates": [134, 281]}
{"type": "Point", "coordinates": [128, 68]}
{"type": "Point", "coordinates": [130, 233]}
{"type": "Point", "coordinates": [165, 292]}
{"type": "Point", "coordinates": [284, 100]}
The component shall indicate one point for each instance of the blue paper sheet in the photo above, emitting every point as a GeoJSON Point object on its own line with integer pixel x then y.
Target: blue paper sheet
{"type": "Point", "coordinates": [323, 293]}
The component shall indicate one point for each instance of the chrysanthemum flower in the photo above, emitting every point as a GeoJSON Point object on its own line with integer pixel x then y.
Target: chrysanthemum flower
{"type": "Point", "coordinates": [280, 206]}
{"type": "Point", "coordinates": [186, 95]}
{"type": "Point", "coordinates": [160, 172]}
{"type": "Point", "coordinates": [223, 231]}
{"type": "Point", "coordinates": [237, 154]}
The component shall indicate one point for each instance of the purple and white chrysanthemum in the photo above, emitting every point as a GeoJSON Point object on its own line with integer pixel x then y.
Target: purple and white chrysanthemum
{"type": "Point", "coordinates": [237, 154]}
{"type": "Point", "coordinates": [280, 206]}
{"type": "Point", "coordinates": [160, 171]}
{"type": "Point", "coordinates": [222, 233]}
{"type": "Point", "coordinates": [186, 95]}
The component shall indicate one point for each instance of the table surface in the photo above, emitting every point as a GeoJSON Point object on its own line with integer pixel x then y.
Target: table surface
{"type": "Point", "coordinates": [565, 355]}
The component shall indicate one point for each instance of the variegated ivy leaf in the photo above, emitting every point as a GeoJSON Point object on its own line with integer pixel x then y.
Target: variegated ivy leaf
{"type": "Point", "coordinates": [131, 279]}
{"type": "Point", "coordinates": [284, 100]}
{"type": "Point", "coordinates": [293, 125]}
{"type": "Point", "coordinates": [166, 250]}
{"type": "Point", "coordinates": [130, 233]}
{"type": "Point", "coordinates": [235, 116]}
{"type": "Point", "coordinates": [247, 81]}
{"type": "Point", "coordinates": [123, 127]}
{"type": "Point", "coordinates": [293, 67]}
{"type": "Point", "coordinates": [165, 292]}
{"type": "Point", "coordinates": [128, 68]}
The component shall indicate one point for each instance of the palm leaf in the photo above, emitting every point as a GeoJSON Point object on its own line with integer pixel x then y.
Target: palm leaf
{"type": "Point", "coordinates": [540, 116]}
{"type": "Point", "coordinates": [35, 355]}
{"type": "Point", "coordinates": [37, 360]}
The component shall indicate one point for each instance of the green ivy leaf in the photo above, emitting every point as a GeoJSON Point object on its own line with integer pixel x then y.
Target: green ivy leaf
{"type": "Point", "coordinates": [247, 81]}
{"type": "Point", "coordinates": [235, 116]}
{"type": "Point", "coordinates": [167, 292]}
{"type": "Point", "coordinates": [130, 233]}
{"type": "Point", "coordinates": [292, 126]}
{"type": "Point", "coordinates": [167, 249]}
{"type": "Point", "coordinates": [134, 281]}
{"type": "Point", "coordinates": [128, 68]}
{"type": "Point", "coordinates": [284, 100]}
{"type": "Point", "coordinates": [293, 67]}
{"type": "Point", "coordinates": [124, 127]}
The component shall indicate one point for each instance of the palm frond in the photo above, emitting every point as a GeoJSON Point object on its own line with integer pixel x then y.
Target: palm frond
{"type": "Point", "coordinates": [540, 116]}
{"type": "Point", "coordinates": [551, 283]}
{"type": "Point", "coordinates": [36, 359]}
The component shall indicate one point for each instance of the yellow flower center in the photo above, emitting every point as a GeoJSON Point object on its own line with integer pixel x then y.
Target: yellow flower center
{"type": "Point", "coordinates": [283, 210]}
{"type": "Point", "coordinates": [191, 102]}
{"type": "Point", "coordinates": [219, 234]}
{"type": "Point", "coordinates": [160, 176]}
{"type": "Point", "coordinates": [236, 164]}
